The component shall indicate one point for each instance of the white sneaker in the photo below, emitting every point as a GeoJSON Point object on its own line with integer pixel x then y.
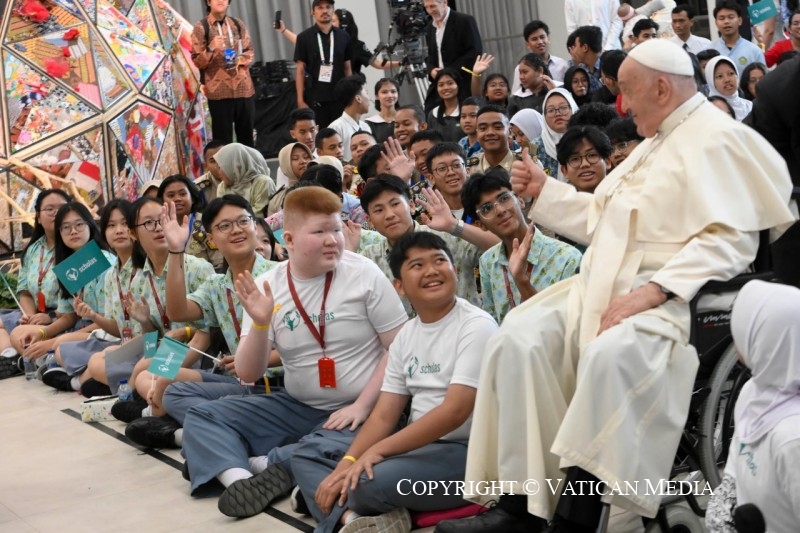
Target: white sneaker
{"type": "Point", "coordinates": [9, 353]}
{"type": "Point", "coordinates": [396, 521]}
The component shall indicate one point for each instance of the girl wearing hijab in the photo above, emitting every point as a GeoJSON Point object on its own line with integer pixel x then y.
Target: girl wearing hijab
{"type": "Point", "coordinates": [765, 449]}
{"type": "Point", "coordinates": [243, 171]}
{"type": "Point", "coordinates": [293, 160]}
{"type": "Point", "coordinates": [723, 80]}
{"type": "Point", "coordinates": [526, 126]}
{"type": "Point", "coordinates": [558, 108]}
{"type": "Point", "coordinates": [576, 81]}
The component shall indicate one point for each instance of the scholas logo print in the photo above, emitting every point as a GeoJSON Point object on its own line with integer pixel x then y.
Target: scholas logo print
{"type": "Point", "coordinates": [291, 319]}
{"type": "Point", "coordinates": [412, 368]}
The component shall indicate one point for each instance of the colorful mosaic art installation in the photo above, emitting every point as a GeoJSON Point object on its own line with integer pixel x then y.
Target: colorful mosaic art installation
{"type": "Point", "coordinates": [98, 96]}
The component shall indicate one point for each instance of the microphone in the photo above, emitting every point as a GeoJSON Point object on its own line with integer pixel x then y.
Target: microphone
{"type": "Point", "coordinates": [747, 518]}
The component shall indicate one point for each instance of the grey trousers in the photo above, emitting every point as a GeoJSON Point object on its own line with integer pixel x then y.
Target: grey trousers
{"type": "Point", "coordinates": [394, 484]}
{"type": "Point", "coordinates": [222, 434]}
{"type": "Point", "coordinates": [181, 396]}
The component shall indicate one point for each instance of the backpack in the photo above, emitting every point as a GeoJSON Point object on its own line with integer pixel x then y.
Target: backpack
{"type": "Point", "coordinates": [206, 30]}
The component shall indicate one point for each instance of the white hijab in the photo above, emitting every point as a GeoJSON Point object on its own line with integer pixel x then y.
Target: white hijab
{"type": "Point", "coordinates": [530, 122]}
{"type": "Point", "coordinates": [550, 137]}
{"type": "Point", "coordinates": [766, 331]}
{"type": "Point", "coordinates": [741, 107]}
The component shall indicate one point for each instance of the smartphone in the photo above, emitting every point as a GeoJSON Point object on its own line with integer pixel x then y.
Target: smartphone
{"type": "Point", "coordinates": [277, 23]}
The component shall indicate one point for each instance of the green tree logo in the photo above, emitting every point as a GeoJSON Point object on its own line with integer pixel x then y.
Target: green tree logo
{"type": "Point", "coordinates": [291, 319]}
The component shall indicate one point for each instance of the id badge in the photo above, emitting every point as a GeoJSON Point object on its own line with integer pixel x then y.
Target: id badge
{"type": "Point", "coordinates": [325, 73]}
{"type": "Point", "coordinates": [230, 58]}
{"type": "Point", "coordinates": [327, 373]}
{"type": "Point", "coordinates": [40, 303]}
{"type": "Point", "coordinates": [127, 334]}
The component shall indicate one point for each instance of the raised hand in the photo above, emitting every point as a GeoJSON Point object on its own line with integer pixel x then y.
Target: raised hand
{"type": "Point", "coordinates": [398, 163]}
{"type": "Point", "coordinates": [139, 310]}
{"type": "Point", "coordinates": [527, 178]}
{"type": "Point", "coordinates": [352, 235]}
{"type": "Point", "coordinates": [482, 63]}
{"type": "Point", "coordinates": [257, 304]}
{"type": "Point", "coordinates": [176, 234]}
{"type": "Point", "coordinates": [518, 260]}
{"type": "Point", "coordinates": [439, 216]}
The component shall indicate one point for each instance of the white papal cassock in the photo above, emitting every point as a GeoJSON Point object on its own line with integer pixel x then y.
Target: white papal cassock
{"type": "Point", "coordinates": [683, 209]}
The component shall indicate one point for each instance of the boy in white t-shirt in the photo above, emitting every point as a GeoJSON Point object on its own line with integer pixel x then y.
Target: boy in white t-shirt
{"type": "Point", "coordinates": [435, 362]}
{"type": "Point", "coordinates": [331, 315]}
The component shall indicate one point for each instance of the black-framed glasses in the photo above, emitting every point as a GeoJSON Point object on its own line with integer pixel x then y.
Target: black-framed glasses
{"type": "Point", "coordinates": [489, 209]}
{"type": "Point", "coordinates": [455, 166]}
{"type": "Point", "coordinates": [576, 160]}
{"type": "Point", "coordinates": [78, 226]}
{"type": "Point", "coordinates": [560, 110]}
{"type": "Point", "coordinates": [149, 225]}
{"type": "Point", "coordinates": [227, 225]}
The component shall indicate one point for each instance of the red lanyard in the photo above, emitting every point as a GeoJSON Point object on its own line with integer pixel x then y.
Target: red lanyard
{"type": "Point", "coordinates": [512, 304]}
{"type": "Point", "coordinates": [40, 301]}
{"type": "Point", "coordinates": [318, 335]}
{"type": "Point", "coordinates": [235, 318]}
{"type": "Point", "coordinates": [164, 320]}
{"type": "Point", "coordinates": [121, 295]}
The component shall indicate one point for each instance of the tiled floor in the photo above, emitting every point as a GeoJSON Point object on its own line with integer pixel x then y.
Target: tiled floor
{"type": "Point", "coordinates": [58, 474]}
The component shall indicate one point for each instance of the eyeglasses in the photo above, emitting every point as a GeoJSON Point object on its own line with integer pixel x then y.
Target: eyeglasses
{"type": "Point", "coordinates": [561, 110]}
{"type": "Point", "coordinates": [489, 209]}
{"type": "Point", "coordinates": [227, 225]}
{"type": "Point", "coordinates": [576, 160]}
{"type": "Point", "coordinates": [78, 226]}
{"type": "Point", "coordinates": [621, 146]}
{"type": "Point", "coordinates": [455, 166]}
{"type": "Point", "coordinates": [51, 210]}
{"type": "Point", "coordinates": [149, 225]}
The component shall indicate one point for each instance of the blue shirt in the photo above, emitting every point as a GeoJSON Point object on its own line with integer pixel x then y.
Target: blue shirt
{"type": "Point", "coordinates": [470, 150]}
{"type": "Point", "coordinates": [551, 261]}
{"type": "Point", "coordinates": [742, 54]}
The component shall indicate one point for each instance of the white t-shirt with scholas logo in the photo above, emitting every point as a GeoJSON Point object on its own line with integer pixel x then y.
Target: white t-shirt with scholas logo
{"type": "Point", "coordinates": [361, 303]}
{"type": "Point", "coordinates": [425, 359]}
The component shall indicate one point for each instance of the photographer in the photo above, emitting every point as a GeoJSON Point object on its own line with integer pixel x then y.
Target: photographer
{"type": "Point", "coordinates": [453, 41]}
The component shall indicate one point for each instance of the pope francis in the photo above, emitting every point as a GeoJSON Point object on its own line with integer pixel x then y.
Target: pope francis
{"type": "Point", "coordinates": [590, 380]}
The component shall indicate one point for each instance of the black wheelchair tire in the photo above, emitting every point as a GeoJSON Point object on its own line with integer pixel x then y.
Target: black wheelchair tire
{"type": "Point", "coordinates": [680, 519]}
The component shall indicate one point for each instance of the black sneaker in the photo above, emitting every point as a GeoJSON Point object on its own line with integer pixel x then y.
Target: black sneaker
{"type": "Point", "coordinates": [153, 431]}
{"type": "Point", "coordinates": [91, 387]}
{"type": "Point", "coordinates": [128, 411]}
{"type": "Point", "coordinates": [249, 497]}
{"type": "Point", "coordinates": [298, 502]}
{"type": "Point", "coordinates": [493, 520]}
{"type": "Point", "coordinates": [9, 366]}
{"type": "Point", "coordinates": [58, 379]}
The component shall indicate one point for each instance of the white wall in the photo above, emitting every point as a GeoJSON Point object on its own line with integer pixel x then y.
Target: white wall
{"type": "Point", "coordinates": [369, 30]}
{"type": "Point", "coordinates": [552, 12]}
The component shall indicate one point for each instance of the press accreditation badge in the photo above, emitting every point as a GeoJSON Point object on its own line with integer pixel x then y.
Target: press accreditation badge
{"type": "Point", "coordinates": [325, 73]}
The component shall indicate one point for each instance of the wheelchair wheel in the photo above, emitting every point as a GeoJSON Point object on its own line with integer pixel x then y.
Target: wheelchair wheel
{"type": "Point", "coordinates": [680, 519]}
{"type": "Point", "coordinates": [716, 416]}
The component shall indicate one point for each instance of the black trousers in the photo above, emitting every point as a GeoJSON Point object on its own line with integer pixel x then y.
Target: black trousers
{"type": "Point", "coordinates": [325, 112]}
{"type": "Point", "coordinates": [230, 113]}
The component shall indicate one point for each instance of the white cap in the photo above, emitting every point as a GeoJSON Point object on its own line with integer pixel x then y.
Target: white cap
{"type": "Point", "coordinates": [332, 161]}
{"type": "Point", "coordinates": [663, 56]}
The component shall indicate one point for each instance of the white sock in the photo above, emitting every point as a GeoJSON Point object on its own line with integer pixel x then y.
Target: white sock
{"type": "Point", "coordinates": [258, 464]}
{"type": "Point", "coordinates": [147, 411]}
{"type": "Point", "coordinates": [352, 515]}
{"type": "Point", "coordinates": [75, 383]}
{"type": "Point", "coordinates": [178, 436]}
{"type": "Point", "coordinates": [231, 475]}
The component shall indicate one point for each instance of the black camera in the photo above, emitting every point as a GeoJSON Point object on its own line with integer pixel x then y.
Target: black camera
{"type": "Point", "coordinates": [410, 18]}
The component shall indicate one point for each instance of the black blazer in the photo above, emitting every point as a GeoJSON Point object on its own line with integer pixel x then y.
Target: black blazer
{"type": "Point", "coordinates": [461, 45]}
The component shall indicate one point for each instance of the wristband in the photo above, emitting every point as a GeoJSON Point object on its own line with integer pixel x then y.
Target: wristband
{"type": "Point", "coordinates": [43, 333]}
{"type": "Point", "coordinates": [349, 458]}
{"type": "Point", "coordinates": [188, 333]}
{"type": "Point", "coordinates": [459, 229]}
{"type": "Point", "coordinates": [177, 253]}
{"type": "Point", "coordinates": [259, 327]}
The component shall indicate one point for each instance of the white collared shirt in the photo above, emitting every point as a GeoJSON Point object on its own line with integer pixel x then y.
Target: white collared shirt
{"type": "Point", "coordinates": [440, 36]}
{"type": "Point", "coordinates": [694, 43]}
{"type": "Point", "coordinates": [346, 126]}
